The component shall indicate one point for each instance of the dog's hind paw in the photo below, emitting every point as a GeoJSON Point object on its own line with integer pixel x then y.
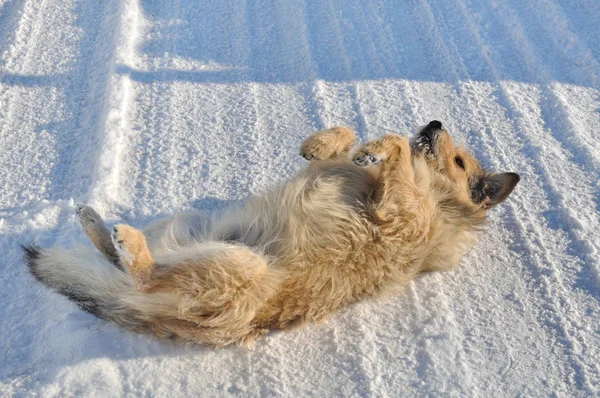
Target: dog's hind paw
{"type": "Point", "coordinates": [87, 216]}
{"type": "Point", "coordinates": [118, 237]}
{"type": "Point", "coordinates": [130, 244]}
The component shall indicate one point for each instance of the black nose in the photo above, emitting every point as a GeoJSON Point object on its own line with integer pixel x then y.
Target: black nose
{"type": "Point", "coordinates": [435, 124]}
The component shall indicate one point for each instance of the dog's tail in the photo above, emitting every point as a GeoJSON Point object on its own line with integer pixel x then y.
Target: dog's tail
{"type": "Point", "coordinates": [96, 286]}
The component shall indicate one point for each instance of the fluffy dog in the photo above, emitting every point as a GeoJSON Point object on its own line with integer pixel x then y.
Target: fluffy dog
{"type": "Point", "coordinates": [345, 228]}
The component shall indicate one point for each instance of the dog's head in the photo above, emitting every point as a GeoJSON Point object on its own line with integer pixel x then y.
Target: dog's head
{"type": "Point", "coordinates": [450, 167]}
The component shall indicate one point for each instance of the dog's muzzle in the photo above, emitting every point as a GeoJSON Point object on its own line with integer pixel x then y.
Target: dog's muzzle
{"type": "Point", "coordinates": [424, 141]}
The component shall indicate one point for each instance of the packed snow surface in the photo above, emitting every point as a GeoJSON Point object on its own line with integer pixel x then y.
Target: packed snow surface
{"type": "Point", "coordinates": [147, 107]}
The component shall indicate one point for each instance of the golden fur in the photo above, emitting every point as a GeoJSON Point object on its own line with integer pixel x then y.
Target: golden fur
{"type": "Point", "coordinates": [344, 228]}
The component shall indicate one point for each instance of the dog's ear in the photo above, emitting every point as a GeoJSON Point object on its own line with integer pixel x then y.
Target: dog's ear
{"type": "Point", "coordinates": [497, 187]}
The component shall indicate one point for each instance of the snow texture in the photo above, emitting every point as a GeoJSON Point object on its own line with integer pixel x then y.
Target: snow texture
{"type": "Point", "coordinates": [145, 107]}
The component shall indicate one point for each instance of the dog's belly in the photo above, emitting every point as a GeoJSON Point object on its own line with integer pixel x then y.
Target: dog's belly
{"type": "Point", "coordinates": [318, 209]}
{"type": "Point", "coordinates": [317, 227]}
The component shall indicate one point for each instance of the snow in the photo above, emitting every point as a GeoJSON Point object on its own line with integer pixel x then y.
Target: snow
{"type": "Point", "coordinates": [142, 108]}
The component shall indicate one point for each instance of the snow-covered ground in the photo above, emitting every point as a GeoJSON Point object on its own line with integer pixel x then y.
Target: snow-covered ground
{"type": "Point", "coordinates": [145, 107]}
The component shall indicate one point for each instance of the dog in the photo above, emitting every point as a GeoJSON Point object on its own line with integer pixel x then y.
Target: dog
{"type": "Point", "coordinates": [349, 226]}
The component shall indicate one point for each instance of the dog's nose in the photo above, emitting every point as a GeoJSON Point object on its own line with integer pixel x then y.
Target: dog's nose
{"type": "Point", "coordinates": [435, 124]}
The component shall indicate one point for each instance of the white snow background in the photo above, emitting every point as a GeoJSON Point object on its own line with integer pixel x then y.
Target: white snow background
{"type": "Point", "coordinates": [146, 107]}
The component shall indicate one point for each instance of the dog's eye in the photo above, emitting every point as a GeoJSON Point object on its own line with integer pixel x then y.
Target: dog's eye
{"type": "Point", "coordinates": [459, 162]}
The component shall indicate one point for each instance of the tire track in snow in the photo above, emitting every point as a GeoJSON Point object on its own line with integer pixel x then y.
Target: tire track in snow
{"type": "Point", "coordinates": [314, 17]}
{"type": "Point", "coordinates": [17, 58]}
{"type": "Point", "coordinates": [437, 44]}
{"type": "Point", "coordinates": [55, 74]}
{"type": "Point", "coordinates": [213, 123]}
{"type": "Point", "coordinates": [17, 125]}
{"type": "Point", "coordinates": [581, 18]}
{"type": "Point", "coordinates": [553, 60]}
{"type": "Point", "coordinates": [521, 240]}
{"type": "Point", "coordinates": [281, 69]}
{"type": "Point", "coordinates": [164, 99]}
{"type": "Point", "coordinates": [308, 88]}
{"type": "Point", "coordinates": [580, 227]}
{"type": "Point", "coordinates": [28, 27]}
{"type": "Point", "coordinates": [103, 23]}
{"type": "Point", "coordinates": [12, 13]}
{"type": "Point", "coordinates": [238, 108]}
{"type": "Point", "coordinates": [333, 59]}
{"type": "Point", "coordinates": [364, 64]}
{"type": "Point", "coordinates": [555, 321]}
{"type": "Point", "coordinates": [557, 198]}
{"type": "Point", "coordinates": [550, 60]}
{"type": "Point", "coordinates": [544, 281]}
{"type": "Point", "coordinates": [153, 94]}
{"type": "Point", "coordinates": [77, 87]}
{"type": "Point", "coordinates": [565, 54]}
{"type": "Point", "coordinates": [331, 63]}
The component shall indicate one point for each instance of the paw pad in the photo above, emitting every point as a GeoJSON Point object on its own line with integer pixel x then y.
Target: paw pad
{"type": "Point", "coordinates": [367, 159]}
{"type": "Point", "coordinates": [118, 243]}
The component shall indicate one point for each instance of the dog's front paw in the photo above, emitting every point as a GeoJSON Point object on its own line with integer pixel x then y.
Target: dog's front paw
{"type": "Point", "coordinates": [327, 144]}
{"type": "Point", "coordinates": [380, 150]}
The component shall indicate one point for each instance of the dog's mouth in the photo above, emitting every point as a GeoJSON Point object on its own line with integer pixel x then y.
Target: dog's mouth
{"type": "Point", "coordinates": [424, 141]}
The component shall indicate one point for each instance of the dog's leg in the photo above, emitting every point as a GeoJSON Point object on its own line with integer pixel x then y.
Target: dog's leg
{"type": "Point", "coordinates": [131, 246]}
{"type": "Point", "coordinates": [327, 144]}
{"type": "Point", "coordinates": [96, 231]}
{"type": "Point", "coordinates": [399, 207]}
{"type": "Point", "coordinates": [220, 288]}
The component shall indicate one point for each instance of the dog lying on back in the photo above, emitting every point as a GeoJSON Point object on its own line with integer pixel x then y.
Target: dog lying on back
{"type": "Point", "coordinates": [345, 228]}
